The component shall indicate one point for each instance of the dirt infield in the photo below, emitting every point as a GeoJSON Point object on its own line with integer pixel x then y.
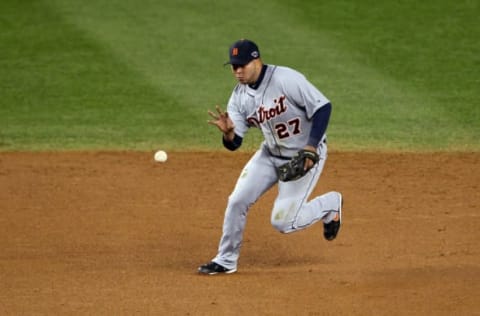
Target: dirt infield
{"type": "Point", "coordinates": [118, 234]}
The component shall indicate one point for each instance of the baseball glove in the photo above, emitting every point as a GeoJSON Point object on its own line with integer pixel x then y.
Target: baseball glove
{"type": "Point", "coordinates": [295, 168]}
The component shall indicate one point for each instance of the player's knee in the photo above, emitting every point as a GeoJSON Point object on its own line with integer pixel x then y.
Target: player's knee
{"type": "Point", "coordinates": [281, 225]}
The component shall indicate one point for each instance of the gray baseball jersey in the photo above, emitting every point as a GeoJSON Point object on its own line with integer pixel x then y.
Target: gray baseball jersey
{"type": "Point", "coordinates": [281, 107]}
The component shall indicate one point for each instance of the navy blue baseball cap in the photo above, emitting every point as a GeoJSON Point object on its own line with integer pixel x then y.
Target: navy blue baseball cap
{"type": "Point", "coordinates": [242, 52]}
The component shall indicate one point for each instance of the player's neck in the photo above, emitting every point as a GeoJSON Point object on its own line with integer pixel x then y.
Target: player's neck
{"type": "Point", "coordinates": [259, 78]}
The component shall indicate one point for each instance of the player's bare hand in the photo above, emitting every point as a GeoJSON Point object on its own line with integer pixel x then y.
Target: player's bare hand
{"type": "Point", "coordinates": [221, 120]}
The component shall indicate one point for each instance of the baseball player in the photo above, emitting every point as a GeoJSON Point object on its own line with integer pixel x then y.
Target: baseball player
{"type": "Point", "coordinates": [293, 116]}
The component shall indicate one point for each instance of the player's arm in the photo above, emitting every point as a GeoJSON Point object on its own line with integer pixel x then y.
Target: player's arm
{"type": "Point", "coordinates": [320, 121]}
{"type": "Point", "coordinates": [316, 105]}
{"type": "Point", "coordinates": [319, 125]}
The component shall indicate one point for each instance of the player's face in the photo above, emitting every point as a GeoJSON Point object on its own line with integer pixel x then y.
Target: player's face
{"type": "Point", "coordinates": [247, 74]}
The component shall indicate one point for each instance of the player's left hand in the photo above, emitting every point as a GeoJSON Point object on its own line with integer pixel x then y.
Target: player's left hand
{"type": "Point", "coordinates": [309, 163]}
{"type": "Point", "coordinates": [296, 167]}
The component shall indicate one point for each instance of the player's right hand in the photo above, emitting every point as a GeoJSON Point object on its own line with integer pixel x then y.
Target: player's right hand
{"type": "Point", "coordinates": [222, 121]}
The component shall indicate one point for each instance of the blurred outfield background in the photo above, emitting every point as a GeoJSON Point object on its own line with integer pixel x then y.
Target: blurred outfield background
{"type": "Point", "coordinates": [140, 75]}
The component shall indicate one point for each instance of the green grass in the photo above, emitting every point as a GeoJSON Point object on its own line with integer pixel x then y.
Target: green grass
{"type": "Point", "coordinates": [141, 75]}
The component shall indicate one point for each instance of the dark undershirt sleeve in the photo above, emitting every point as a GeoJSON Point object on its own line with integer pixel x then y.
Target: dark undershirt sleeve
{"type": "Point", "coordinates": [319, 126]}
{"type": "Point", "coordinates": [234, 144]}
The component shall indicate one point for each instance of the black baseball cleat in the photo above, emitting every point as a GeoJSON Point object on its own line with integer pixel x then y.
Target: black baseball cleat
{"type": "Point", "coordinates": [214, 268]}
{"type": "Point", "coordinates": [331, 229]}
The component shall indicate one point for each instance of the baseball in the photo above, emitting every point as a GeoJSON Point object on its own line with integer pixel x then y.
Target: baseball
{"type": "Point", "coordinates": [160, 156]}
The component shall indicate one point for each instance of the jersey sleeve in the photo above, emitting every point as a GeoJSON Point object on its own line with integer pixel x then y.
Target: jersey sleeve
{"type": "Point", "coordinates": [303, 93]}
{"type": "Point", "coordinates": [237, 113]}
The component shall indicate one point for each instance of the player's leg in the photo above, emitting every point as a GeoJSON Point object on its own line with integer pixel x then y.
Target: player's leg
{"type": "Point", "coordinates": [289, 206]}
{"type": "Point", "coordinates": [292, 212]}
{"type": "Point", "coordinates": [327, 206]}
{"type": "Point", "coordinates": [256, 178]}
